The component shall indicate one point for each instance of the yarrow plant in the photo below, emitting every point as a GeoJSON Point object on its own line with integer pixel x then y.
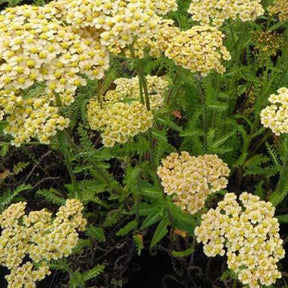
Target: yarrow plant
{"type": "Point", "coordinates": [118, 24]}
{"type": "Point", "coordinates": [103, 93]}
{"type": "Point", "coordinates": [275, 116]}
{"type": "Point", "coordinates": [121, 115]}
{"type": "Point", "coordinates": [248, 234]}
{"type": "Point", "coordinates": [39, 237]}
{"type": "Point", "coordinates": [199, 49]}
{"type": "Point", "coordinates": [37, 48]}
{"type": "Point", "coordinates": [280, 7]}
{"type": "Point", "coordinates": [216, 12]}
{"type": "Point", "coordinates": [191, 179]}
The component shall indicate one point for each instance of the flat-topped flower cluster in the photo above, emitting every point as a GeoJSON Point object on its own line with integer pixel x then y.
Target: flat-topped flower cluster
{"type": "Point", "coordinates": [39, 237]}
{"type": "Point", "coordinates": [199, 49]}
{"type": "Point", "coordinates": [191, 179]}
{"type": "Point", "coordinates": [38, 49]}
{"type": "Point", "coordinates": [121, 115]}
{"type": "Point", "coordinates": [217, 11]}
{"type": "Point", "coordinates": [280, 7]}
{"type": "Point", "coordinates": [248, 234]}
{"type": "Point", "coordinates": [275, 116]}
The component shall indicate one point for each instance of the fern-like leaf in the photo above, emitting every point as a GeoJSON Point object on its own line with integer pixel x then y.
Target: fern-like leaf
{"type": "Point", "coordinates": [52, 196]}
{"type": "Point", "coordinates": [93, 273]}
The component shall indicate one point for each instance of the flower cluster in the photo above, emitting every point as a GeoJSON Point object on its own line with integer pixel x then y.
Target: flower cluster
{"type": "Point", "coordinates": [129, 89]}
{"type": "Point", "coordinates": [191, 179]}
{"type": "Point", "coordinates": [157, 42]}
{"type": "Point", "coordinates": [275, 116]}
{"type": "Point", "coordinates": [34, 118]}
{"type": "Point", "coordinates": [38, 236]}
{"type": "Point", "coordinates": [118, 121]}
{"type": "Point", "coordinates": [248, 234]}
{"type": "Point", "coordinates": [35, 47]}
{"type": "Point", "coordinates": [121, 115]}
{"type": "Point", "coordinates": [267, 44]}
{"type": "Point", "coordinates": [280, 7]}
{"type": "Point", "coordinates": [118, 23]}
{"type": "Point", "coordinates": [199, 49]}
{"type": "Point", "coordinates": [216, 12]}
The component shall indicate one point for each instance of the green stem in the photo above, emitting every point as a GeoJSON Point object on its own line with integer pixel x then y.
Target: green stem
{"type": "Point", "coordinates": [144, 100]}
{"type": "Point", "coordinates": [142, 80]}
{"type": "Point", "coordinates": [205, 115]}
{"type": "Point", "coordinates": [64, 148]}
{"type": "Point", "coordinates": [99, 94]}
{"type": "Point", "coordinates": [234, 283]}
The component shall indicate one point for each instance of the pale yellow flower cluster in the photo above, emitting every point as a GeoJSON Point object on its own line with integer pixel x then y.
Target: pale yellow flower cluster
{"type": "Point", "coordinates": [129, 89]}
{"type": "Point", "coordinates": [35, 47]}
{"type": "Point", "coordinates": [118, 122]}
{"type": "Point", "coordinates": [34, 118]}
{"type": "Point", "coordinates": [118, 23]}
{"type": "Point", "coordinates": [248, 234]}
{"type": "Point", "coordinates": [38, 236]}
{"type": "Point", "coordinates": [280, 7]}
{"type": "Point", "coordinates": [275, 116]}
{"type": "Point", "coordinates": [215, 12]}
{"type": "Point", "coordinates": [157, 42]}
{"type": "Point", "coordinates": [191, 179]}
{"type": "Point", "coordinates": [199, 49]}
{"type": "Point", "coordinates": [122, 115]}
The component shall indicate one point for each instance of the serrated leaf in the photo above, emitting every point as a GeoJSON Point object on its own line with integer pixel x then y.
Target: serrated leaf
{"type": "Point", "coordinates": [96, 233]}
{"type": "Point", "coordinates": [277, 197]}
{"type": "Point", "coordinates": [138, 239]}
{"type": "Point", "coordinates": [93, 273]}
{"type": "Point", "coordinates": [150, 191]}
{"type": "Point", "coordinates": [182, 220]}
{"type": "Point", "coordinates": [152, 218]}
{"type": "Point", "coordinates": [160, 232]}
{"type": "Point", "coordinates": [127, 228]}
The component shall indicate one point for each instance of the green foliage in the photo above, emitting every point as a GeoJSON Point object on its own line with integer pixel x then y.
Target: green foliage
{"type": "Point", "coordinates": [138, 241]}
{"type": "Point", "coordinates": [119, 186]}
{"type": "Point", "coordinates": [184, 253]}
{"type": "Point", "coordinates": [93, 273]}
{"type": "Point", "coordinates": [52, 196]}
{"type": "Point", "coordinates": [127, 228]}
{"type": "Point", "coordinates": [96, 233]}
{"type": "Point", "coordinates": [8, 196]}
{"type": "Point", "coordinates": [160, 232]}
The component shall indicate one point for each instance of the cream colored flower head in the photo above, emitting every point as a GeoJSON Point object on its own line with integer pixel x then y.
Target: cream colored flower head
{"type": "Point", "coordinates": [191, 179]}
{"type": "Point", "coordinates": [118, 122]}
{"type": "Point", "coordinates": [217, 11]}
{"type": "Point", "coordinates": [247, 232]}
{"type": "Point", "coordinates": [34, 118]}
{"type": "Point", "coordinates": [119, 23]}
{"type": "Point", "coordinates": [122, 115]}
{"type": "Point", "coordinates": [199, 49]}
{"type": "Point", "coordinates": [38, 236]}
{"type": "Point", "coordinates": [275, 116]}
{"type": "Point", "coordinates": [280, 7]}
{"type": "Point", "coordinates": [36, 48]}
{"type": "Point", "coordinates": [129, 89]}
